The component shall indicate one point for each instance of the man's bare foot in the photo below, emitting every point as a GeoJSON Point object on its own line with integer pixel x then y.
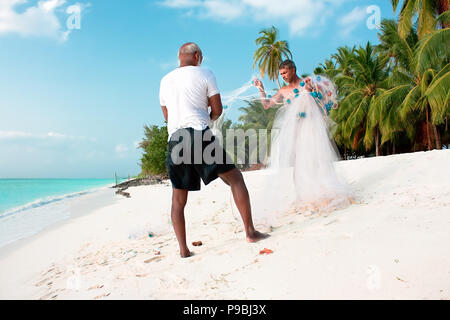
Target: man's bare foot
{"type": "Point", "coordinates": [257, 236]}
{"type": "Point", "coordinates": [186, 253]}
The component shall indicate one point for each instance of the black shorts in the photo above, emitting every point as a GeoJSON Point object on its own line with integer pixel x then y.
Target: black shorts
{"type": "Point", "coordinates": [193, 155]}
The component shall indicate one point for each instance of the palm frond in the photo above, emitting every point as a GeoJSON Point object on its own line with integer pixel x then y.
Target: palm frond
{"type": "Point", "coordinates": [433, 51]}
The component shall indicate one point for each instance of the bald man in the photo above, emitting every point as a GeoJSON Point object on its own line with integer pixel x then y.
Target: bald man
{"type": "Point", "coordinates": [185, 95]}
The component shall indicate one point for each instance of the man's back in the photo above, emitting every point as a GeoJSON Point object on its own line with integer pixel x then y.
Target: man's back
{"type": "Point", "coordinates": [185, 92]}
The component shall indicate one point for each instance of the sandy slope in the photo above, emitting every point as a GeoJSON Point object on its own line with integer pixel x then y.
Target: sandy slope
{"type": "Point", "coordinates": [394, 243]}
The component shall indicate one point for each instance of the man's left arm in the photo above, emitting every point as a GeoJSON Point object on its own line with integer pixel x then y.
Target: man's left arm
{"type": "Point", "coordinates": [164, 110]}
{"type": "Point", "coordinates": [215, 102]}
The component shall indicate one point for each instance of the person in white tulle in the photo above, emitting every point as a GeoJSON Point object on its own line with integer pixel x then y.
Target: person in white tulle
{"type": "Point", "coordinates": [302, 152]}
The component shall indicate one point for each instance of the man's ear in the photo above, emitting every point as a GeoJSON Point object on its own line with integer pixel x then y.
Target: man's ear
{"type": "Point", "coordinates": [198, 57]}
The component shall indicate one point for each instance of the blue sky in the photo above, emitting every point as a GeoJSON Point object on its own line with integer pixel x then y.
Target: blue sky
{"type": "Point", "coordinates": [79, 79]}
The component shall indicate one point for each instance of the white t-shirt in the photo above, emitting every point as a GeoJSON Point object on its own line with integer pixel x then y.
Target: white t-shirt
{"type": "Point", "coordinates": [185, 92]}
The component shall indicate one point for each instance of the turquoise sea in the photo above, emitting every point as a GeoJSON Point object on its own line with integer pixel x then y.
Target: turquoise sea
{"type": "Point", "coordinates": [23, 194]}
{"type": "Point", "coordinates": [29, 205]}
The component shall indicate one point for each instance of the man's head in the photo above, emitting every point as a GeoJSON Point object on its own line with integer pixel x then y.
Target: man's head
{"type": "Point", "coordinates": [190, 55]}
{"type": "Point", "coordinates": [288, 71]}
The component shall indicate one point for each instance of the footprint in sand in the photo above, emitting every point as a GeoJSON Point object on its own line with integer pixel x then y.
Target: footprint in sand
{"type": "Point", "coordinates": [98, 286]}
{"type": "Point", "coordinates": [102, 296]}
{"type": "Point", "coordinates": [153, 259]}
{"type": "Point", "coordinates": [142, 275]}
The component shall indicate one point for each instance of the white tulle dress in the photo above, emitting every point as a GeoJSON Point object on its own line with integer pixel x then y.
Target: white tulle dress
{"type": "Point", "coordinates": [301, 175]}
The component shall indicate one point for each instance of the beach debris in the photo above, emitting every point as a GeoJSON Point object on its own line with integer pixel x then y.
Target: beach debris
{"type": "Point", "coordinates": [197, 243]}
{"type": "Point", "coordinates": [266, 251]}
{"type": "Point", "coordinates": [140, 232]}
{"type": "Point", "coordinates": [123, 193]}
{"type": "Point", "coordinates": [401, 279]}
{"type": "Point", "coordinates": [149, 180]}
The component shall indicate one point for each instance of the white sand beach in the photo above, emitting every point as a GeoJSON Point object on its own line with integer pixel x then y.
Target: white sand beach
{"type": "Point", "coordinates": [393, 243]}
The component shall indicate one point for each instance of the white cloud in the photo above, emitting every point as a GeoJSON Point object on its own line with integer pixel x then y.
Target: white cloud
{"type": "Point", "coordinates": [39, 20]}
{"type": "Point", "coordinates": [300, 15]}
{"type": "Point", "coordinates": [11, 135]}
{"type": "Point", "coordinates": [122, 151]}
{"type": "Point", "coordinates": [169, 64]}
{"type": "Point", "coordinates": [21, 135]}
{"type": "Point", "coordinates": [352, 20]}
{"type": "Point", "coordinates": [121, 148]}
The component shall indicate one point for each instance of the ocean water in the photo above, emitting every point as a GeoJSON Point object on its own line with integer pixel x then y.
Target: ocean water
{"type": "Point", "coordinates": [29, 205]}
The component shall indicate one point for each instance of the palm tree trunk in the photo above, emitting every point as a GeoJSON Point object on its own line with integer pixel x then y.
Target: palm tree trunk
{"type": "Point", "coordinates": [377, 143]}
{"type": "Point", "coordinates": [428, 131]}
{"type": "Point", "coordinates": [393, 148]}
{"type": "Point", "coordinates": [278, 81]}
{"type": "Point", "coordinates": [442, 6]}
{"type": "Point", "coordinates": [437, 136]}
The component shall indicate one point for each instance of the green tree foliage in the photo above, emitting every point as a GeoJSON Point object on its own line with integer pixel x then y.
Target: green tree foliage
{"type": "Point", "coordinates": [422, 12]}
{"type": "Point", "coordinates": [154, 144]}
{"type": "Point", "coordinates": [395, 95]}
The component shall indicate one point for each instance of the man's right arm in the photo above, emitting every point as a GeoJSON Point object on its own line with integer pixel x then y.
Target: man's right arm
{"type": "Point", "coordinates": [268, 103]}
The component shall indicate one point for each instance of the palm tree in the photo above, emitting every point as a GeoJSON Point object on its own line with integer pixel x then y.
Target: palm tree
{"type": "Point", "coordinates": [256, 117]}
{"type": "Point", "coordinates": [271, 53]}
{"type": "Point", "coordinates": [369, 77]}
{"type": "Point", "coordinates": [328, 68]}
{"type": "Point", "coordinates": [430, 95]}
{"type": "Point", "coordinates": [418, 83]}
{"type": "Point", "coordinates": [426, 12]}
{"type": "Point", "coordinates": [398, 54]}
{"type": "Point", "coordinates": [343, 58]}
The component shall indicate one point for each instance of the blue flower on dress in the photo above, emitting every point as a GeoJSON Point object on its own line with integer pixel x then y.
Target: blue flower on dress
{"type": "Point", "coordinates": [314, 94]}
{"type": "Point", "coordinates": [288, 101]}
{"type": "Point", "coordinates": [269, 96]}
{"type": "Point", "coordinates": [302, 84]}
{"type": "Point", "coordinates": [296, 90]}
{"type": "Point", "coordinates": [302, 114]}
{"type": "Point", "coordinates": [318, 78]}
{"type": "Point", "coordinates": [320, 96]}
{"type": "Point", "coordinates": [296, 96]}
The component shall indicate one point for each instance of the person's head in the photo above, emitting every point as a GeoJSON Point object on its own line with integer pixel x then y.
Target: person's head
{"type": "Point", "coordinates": [288, 70]}
{"type": "Point", "coordinates": [190, 54]}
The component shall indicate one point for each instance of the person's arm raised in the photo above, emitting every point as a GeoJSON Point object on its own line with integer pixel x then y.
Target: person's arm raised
{"type": "Point", "coordinates": [215, 102]}
{"type": "Point", "coordinates": [268, 103]}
